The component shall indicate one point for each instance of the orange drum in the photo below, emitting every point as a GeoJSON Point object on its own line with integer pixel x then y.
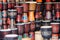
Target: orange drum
{"type": "Point", "coordinates": [31, 16]}
{"type": "Point", "coordinates": [38, 0]}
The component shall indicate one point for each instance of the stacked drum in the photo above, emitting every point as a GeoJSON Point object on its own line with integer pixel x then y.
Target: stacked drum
{"type": "Point", "coordinates": [29, 19]}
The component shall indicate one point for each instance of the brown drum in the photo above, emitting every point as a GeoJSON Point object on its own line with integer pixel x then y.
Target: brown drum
{"type": "Point", "coordinates": [55, 27]}
{"type": "Point", "coordinates": [32, 5]}
{"type": "Point", "coordinates": [48, 6]}
{"type": "Point", "coordinates": [4, 32]}
{"type": "Point", "coordinates": [27, 27]}
{"type": "Point", "coordinates": [19, 9]}
{"type": "Point", "coordinates": [25, 6]}
{"type": "Point", "coordinates": [20, 29]}
{"type": "Point", "coordinates": [57, 5]}
{"type": "Point", "coordinates": [11, 37]}
{"type": "Point", "coordinates": [31, 16]}
{"type": "Point", "coordinates": [32, 26]}
{"type": "Point", "coordinates": [18, 19]}
{"type": "Point", "coordinates": [14, 31]}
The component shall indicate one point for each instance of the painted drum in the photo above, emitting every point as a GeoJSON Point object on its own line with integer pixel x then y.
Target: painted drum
{"type": "Point", "coordinates": [32, 26]}
{"type": "Point", "coordinates": [11, 37]}
{"type": "Point", "coordinates": [9, 5]}
{"type": "Point", "coordinates": [38, 16]}
{"type": "Point", "coordinates": [48, 6]}
{"type": "Point", "coordinates": [57, 5]}
{"type": "Point", "coordinates": [46, 31]}
{"type": "Point", "coordinates": [12, 13]}
{"type": "Point", "coordinates": [54, 36]}
{"type": "Point", "coordinates": [20, 29]}
{"type": "Point", "coordinates": [38, 35]}
{"type": "Point", "coordinates": [55, 27]}
{"type": "Point", "coordinates": [32, 5]}
{"type": "Point", "coordinates": [25, 17]}
{"type": "Point", "coordinates": [4, 13]}
{"type": "Point", "coordinates": [25, 6]}
{"type": "Point", "coordinates": [4, 32]}
{"type": "Point", "coordinates": [14, 30]}
{"type": "Point", "coordinates": [39, 7]}
{"type": "Point", "coordinates": [57, 15]}
{"type": "Point", "coordinates": [27, 27]}
{"type": "Point", "coordinates": [18, 19]}
{"type": "Point", "coordinates": [31, 16]}
{"type": "Point", "coordinates": [19, 9]}
{"type": "Point", "coordinates": [8, 21]}
{"type": "Point", "coordinates": [48, 15]}
{"type": "Point", "coordinates": [12, 5]}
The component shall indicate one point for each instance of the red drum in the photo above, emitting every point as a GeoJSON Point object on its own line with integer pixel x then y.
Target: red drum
{"type": "Point", "coordinates": [55, 27]}
{"type": "Point", "coordinates": [27, 27]}
{"type": "Point", "coordinates": [48, 6]}
{"type": "Point", "coordinates": [32, 26]}
{"type": "Point", "coordinates": [25, 6]}
{"type": "Point", "coordinates": [1, 6]}
{"type": "Point", "coordinates": [9, 5]}
{"type": "Point", "coordinates": [14, 31]}
{"type": "Point", "coordinates": [4, 32]}
{"type": "Point", "coordinates": [19, 9]}
{"type": "Point", "coordinates": [20, 29]}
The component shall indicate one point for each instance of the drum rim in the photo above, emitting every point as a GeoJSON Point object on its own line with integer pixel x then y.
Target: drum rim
{"type": "Point", "coordinates": [11, 35]}
{"type": "Point", "coordinates": [5, 30]}
{"type": "Point", "coordinates": [46, 26]}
